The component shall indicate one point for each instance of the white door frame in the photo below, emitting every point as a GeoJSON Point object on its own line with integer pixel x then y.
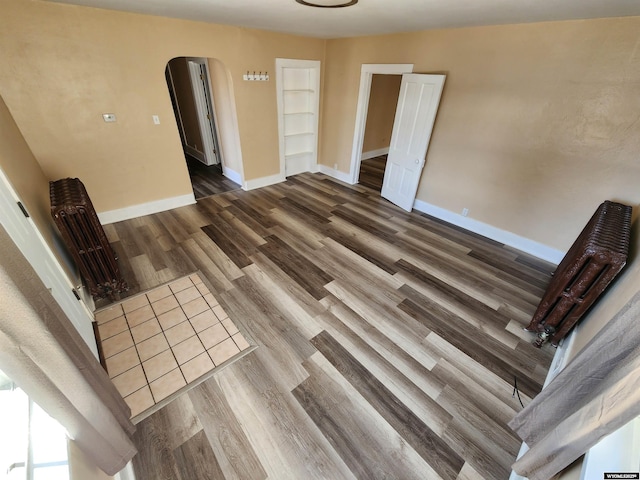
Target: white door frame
{"type": "Point", "coordinates": [29, 240]}
{"type": "Point", "coordinates": [366, 77]}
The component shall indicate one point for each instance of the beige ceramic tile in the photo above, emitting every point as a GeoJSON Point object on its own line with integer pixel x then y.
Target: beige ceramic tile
{"type": "Point", "coordinates": [197, 367]}
{"type": "Point", "coordinates": [204, 320]}
{"type": "Point", "coordinates": [202, 288]}
{"type": "Point", "coordinates": [112, 327]}
{"type": "Point", "coordinates": [171, 318]}
{"type": "Point", "coordinates": [230, 326]}
{"type": "Point", "coordinates": [152, 347]}
{"type": "Point", "coordinates": [108, 314]}
{"type": "Point", "coordinates": [223, 351]}
{"type": "Point", "coordinates": [135, 303]}
{"type": "Point", "coordinates": [158, 293]}
{"type": "Point", "coordinates": [211, 300]}
{"type": "Point", "coordinates": [188, 349]}
{"type": "Point", "coordinates": [164, 305]}
{"type": "Point", "coordinates": [130, 381]}
{"type": "Point", "coordinates": [194, 307]}
{"type": "Point", "coordinates": [180, 285]}
{"type": "Point", "coordinates": [122, 362]}
{"type": "Point", "coordinates": [219, 311]}
{"type": "Point", "coordinates": [117, 344]}
{"type": "Point", "coordinates": [185, 296]}
{"type": "Point", "coordinates": [146, 330]}
{"type": "Point", "coordinates": [159, 365]}
{"type": "Point", "coordinates": [241, 342]}
{"type": "Point", "coordinates": [140, 315]}
{"type": "Point", "coordinates": [139, 401]}
{"type": "Point", "coordinates": [195, 278]}
{"type": "Point", "coordinates": [213, 335]}
{"type": "Point", "coordinates": [179, 333]}
{"type": "Point", "coordinates": [167, 384]}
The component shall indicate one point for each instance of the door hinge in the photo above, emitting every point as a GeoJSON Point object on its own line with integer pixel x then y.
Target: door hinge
{"type": "Point", "coordinates": [202, 77]}
{"type": "Point", "coordinates": [24, 210]}
{"type": "Point", "coordinates": [75, 293]}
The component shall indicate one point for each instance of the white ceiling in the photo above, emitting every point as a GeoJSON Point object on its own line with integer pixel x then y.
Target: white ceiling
{"type": "Point", "coordinates": [370, 16]}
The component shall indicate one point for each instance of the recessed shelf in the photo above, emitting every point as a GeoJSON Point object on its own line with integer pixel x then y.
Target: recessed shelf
{"type": "Point", "coordinates": [298, 90]}
{"type": "Point", "coordinates": [300, 134]}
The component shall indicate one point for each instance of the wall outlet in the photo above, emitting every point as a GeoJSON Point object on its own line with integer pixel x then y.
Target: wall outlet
{"type": "Point", "coordinates": [465, 212]}
{"type": "Point", "coordinates": [335, 166]}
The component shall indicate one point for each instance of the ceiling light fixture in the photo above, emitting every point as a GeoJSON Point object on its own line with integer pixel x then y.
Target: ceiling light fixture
{"type": "Point", "coordinates": [328, 3]}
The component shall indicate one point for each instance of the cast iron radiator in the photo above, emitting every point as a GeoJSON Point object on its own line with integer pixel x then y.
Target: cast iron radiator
{"type": "Point", "coordinates": [592, 262]}
{"type": "Point", "coordinates": [75, 217]}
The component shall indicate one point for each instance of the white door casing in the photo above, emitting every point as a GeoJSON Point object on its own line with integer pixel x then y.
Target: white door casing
{"type": "Point", "coordinates": [30, 242]}
{"type": "Point", "coordinates": [199, 76]}
{"type": "Point", "coordinates": [415, 116]}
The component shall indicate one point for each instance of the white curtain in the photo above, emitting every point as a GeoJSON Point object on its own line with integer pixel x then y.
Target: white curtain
{"type": "Point", "coordinates": [45, 356]}
{"type": "Point", "coordinates": [596, 393]}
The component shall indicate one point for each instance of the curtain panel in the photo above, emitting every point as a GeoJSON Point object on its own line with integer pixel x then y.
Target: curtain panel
{"type": "Point", "coordinates": [594, 395]}
{"type": "Point", "coordinates": [44, 354]}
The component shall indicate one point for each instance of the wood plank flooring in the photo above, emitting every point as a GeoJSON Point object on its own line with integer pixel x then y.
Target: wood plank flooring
{"type": "Point", "coordinates": [372, 172]}
{"type": "Point", "coordinates": [208, 180]}
{"type": "Point", "coordinates": [388, 342]}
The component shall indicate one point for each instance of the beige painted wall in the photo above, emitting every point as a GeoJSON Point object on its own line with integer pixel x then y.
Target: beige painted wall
{"type": "Point", "coordinates": [65, 65]}
{"type": "Point", "coordinates": [28, 180]}
{"type": "Point", "coordinates": [383, 100]}
{"type": "Point", "coordinates": [538, 123]}
{"type": "Point", "coordinates": [186, 102]}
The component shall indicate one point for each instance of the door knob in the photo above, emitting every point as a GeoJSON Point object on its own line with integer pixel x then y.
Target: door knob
{"type": "Point", "coordinates": [417, 162]}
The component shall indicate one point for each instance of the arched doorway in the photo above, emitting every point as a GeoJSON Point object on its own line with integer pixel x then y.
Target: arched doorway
{"type": "Point", "coordinates": [201, 93]}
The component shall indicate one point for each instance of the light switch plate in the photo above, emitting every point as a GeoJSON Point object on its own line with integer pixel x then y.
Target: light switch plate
{"type": "Point", "coordinates": [109, 117]}
{"type": "Point", "coordinates": [156, 119]}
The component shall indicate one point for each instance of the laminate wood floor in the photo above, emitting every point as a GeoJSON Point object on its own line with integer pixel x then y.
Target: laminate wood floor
{"type": "Point", "coordinates": [388, 342]}
{"type": "Point", "coordinates": [372, 172]}
{"type": "Point", "coordinates": [208, 180]}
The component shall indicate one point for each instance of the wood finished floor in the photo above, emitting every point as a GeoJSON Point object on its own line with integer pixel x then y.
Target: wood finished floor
{"type": "Point", "coordinates": [388, 341]}
{"type": "Point", "coordinates": [208, 180]}
{"type": "Point", "coordinates": [372, 172]}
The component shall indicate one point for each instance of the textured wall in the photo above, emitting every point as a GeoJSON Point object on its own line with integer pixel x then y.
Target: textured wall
{"type": "Point", "coordinates": [538, 123]}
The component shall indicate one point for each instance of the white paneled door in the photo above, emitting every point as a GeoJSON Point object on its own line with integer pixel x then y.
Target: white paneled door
{"type": "Point", "coordinates": [415, 115]}
{"type": "Point", "coordinates": [26, 236]}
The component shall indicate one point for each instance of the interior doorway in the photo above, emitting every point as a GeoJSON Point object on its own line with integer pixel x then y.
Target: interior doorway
{"type": "Point", "coordinates": [189, 84]}
{"type": "Point", "coordinates": [381, 112]}
{"type": "Point", "coordinates": [362, 110]}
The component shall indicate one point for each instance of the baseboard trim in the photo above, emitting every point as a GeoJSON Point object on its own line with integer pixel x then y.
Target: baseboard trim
{"type": "Point", "coordinates": [337, 174]}
{"type": "Point", "coordinates": [148, 208]}
{"type": "Point", "coordinates": [511, 239]}
{"type": "Point", "coordinates": [375, 153]}
{"type": "Point", "coordinates": [232, 175]}
{"type": "Point", "coordinates": [263, 181]}
{"type": "Point", "coordinates": [198, 155]}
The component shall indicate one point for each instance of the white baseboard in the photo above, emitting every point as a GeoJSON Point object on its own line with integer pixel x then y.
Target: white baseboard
{"type": "Point", "coordinates": [375, 153]}
{"type": "Point", "coordinates": [520, 243]}
{"type": "Point", "coordinates": [263, 181]}
{"type": "Point", "coordinates": [195, 153]}
{"type": "Point", "coordinates": [232, 175]}
{"type": "Point", "coordinates": [148, 208]}
{"type": "Point", "coordinates": [337, 174]}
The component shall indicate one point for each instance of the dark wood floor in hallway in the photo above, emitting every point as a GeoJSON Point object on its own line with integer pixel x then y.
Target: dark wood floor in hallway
{"type": "Point", "coordinates": [388, 342]}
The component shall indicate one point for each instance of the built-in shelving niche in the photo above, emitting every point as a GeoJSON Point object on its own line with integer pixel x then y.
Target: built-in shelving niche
{"type": "Point", "coordinates": [298, 83]}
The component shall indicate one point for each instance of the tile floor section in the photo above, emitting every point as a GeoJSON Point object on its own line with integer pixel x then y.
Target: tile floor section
{"type": "Point", "coordinates": [156, 343]}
